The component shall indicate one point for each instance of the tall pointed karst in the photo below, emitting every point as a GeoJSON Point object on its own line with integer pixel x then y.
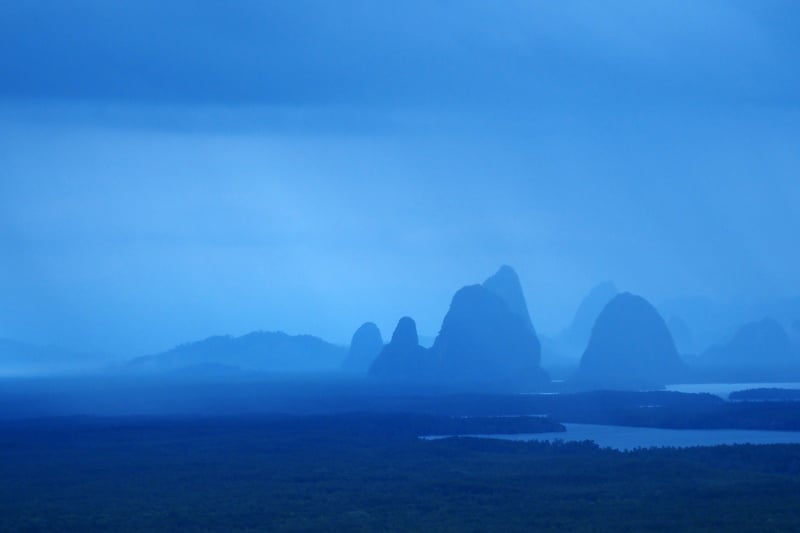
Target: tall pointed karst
{"type": "Point", "coordinates": [486, 342]}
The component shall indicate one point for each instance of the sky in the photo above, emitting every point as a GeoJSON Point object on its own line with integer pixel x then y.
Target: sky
{"type": "Point", "coordinates": [170, 172]}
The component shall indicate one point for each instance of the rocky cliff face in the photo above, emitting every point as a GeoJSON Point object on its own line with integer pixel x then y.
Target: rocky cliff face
{"type": "Point", "coordinates": [630, 347]}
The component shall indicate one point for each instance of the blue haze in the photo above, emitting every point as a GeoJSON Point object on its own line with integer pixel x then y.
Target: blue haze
{"type": "Point", "coordinates": [168, 173]}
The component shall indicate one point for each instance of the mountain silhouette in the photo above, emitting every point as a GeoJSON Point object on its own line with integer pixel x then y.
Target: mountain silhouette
{"type": "Point", "coordinates": [681, 334]}
{"type": "Point", "coordinates": [757, 344]}
{"type": "Point", "coordinates": [258, 351]}
{"type": "Point", "coordinates": [505, 284]}
{"type": "Point", "coordinates": [572, 342]}
{"type": "Point", "coordinates": [630, 347]}
{"type": "Point", "coordinates": [403, 359]}
{"type": "Point", "coordinates": [365, 346]}
{"type": "Point", "coordinates": [483, 341]}
{"type": "Point", "coordinates": [486, 341]}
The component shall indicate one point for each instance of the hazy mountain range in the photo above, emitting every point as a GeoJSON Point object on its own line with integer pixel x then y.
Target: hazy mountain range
{"type": "Point", "coordinates": [488, 336]}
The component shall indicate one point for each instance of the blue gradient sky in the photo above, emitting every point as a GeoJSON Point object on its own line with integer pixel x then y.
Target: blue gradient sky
{"type": "Point", "coordinates": [167, 173]}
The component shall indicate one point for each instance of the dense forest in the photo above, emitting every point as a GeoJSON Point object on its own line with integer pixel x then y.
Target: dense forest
{"type": "Point", "coordinates": [370, 472]}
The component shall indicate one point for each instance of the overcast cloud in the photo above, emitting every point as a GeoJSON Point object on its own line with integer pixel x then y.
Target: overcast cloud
{"type": "Point", "coordinates": [171, 172]}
